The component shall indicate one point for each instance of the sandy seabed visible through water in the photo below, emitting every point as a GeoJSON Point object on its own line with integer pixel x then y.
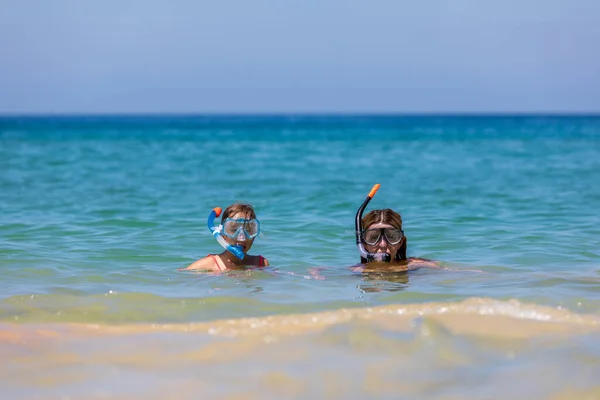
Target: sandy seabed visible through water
{"type": "Point", "coordinates": [477, 348]}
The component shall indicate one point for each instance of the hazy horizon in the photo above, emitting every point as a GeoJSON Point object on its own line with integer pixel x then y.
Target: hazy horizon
{"type": "Point", "coordinates": [300, 115]}
{"type": "Point", "coordinates": [316, 58]}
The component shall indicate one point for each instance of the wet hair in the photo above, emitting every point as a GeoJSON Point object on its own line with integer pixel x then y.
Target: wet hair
{"type": "Point", "coordinates": [245, 209]}
{"type": "Point", "coordinates": [385, 216]}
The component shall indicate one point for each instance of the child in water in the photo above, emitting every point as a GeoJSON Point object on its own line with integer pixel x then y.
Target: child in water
{"type": "Point", "coordinates": [239, 227]}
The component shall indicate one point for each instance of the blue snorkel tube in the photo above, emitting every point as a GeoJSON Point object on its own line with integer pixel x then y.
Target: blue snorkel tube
{"type": "Point", "coordinates": [381, 257]}
{"type": "Point", "coordinates": [216, 232]}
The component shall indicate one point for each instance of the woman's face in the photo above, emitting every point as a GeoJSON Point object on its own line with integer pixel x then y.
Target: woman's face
{"type": "Point", "coordinates": [382, 245]}
{"type": "Point", "coordinates": [240, 239]}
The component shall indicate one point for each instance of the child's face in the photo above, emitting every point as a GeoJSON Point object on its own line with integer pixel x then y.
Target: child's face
{"type": "Point", "coordinates": [240, 239]}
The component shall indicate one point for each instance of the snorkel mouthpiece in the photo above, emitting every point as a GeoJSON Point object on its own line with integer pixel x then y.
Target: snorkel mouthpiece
{"type": "Point", "coordinates": [216, 232]}
{"type": "Point", "coordinates": [382, 257]}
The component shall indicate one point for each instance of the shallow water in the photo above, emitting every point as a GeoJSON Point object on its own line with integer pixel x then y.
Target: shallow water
{"type": "Point", "coordinates": [99, 213]}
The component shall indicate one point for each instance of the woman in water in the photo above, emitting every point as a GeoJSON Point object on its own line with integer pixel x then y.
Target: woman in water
{"type": "Point", "coordinates": [383, 237]}
{"type": "Point", "coordinates": [236, 233]}
{"type": "Point", "coordinates": [381, 241]}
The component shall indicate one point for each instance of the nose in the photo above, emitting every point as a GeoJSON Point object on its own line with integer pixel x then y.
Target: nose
{"type": "Point", "coordinates": [241, 236]}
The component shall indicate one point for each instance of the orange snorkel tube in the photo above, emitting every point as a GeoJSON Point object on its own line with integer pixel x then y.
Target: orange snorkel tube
{"type": "Point", "coordinates": [382, 257]}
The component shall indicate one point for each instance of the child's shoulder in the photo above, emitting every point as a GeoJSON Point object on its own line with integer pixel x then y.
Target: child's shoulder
{"type": "Point", "coordinates": [208, 263]}
{"type": "Point", "coordinates": [260, 261]}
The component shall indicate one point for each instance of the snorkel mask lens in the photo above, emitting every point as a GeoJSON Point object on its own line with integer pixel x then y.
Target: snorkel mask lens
{"type": "Point", "coordinates": [234, 227]}
{"type": "Point", "coordinates": [373, 236]}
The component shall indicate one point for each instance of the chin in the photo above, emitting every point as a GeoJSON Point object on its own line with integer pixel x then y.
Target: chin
{"type": "Point", "coordinates": [375, 262]}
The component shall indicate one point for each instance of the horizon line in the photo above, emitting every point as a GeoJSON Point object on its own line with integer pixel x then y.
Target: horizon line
{"type": "Point", "coordinates": [307, 114]}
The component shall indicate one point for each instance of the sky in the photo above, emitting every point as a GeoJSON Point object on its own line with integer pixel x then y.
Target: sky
{"type": "Point", "coordinates": [309, 56]}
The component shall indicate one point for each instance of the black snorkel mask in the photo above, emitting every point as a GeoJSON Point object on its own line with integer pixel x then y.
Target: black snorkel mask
{"type": "Point", "coordinates": [381, 257]}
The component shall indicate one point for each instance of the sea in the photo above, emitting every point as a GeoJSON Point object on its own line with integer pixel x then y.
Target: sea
{"type": "Point", "coordinates": [98, 214]}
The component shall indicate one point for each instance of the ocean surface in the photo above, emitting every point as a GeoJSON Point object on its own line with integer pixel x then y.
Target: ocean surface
{"type": "Point", "coordinates": [97, 214]}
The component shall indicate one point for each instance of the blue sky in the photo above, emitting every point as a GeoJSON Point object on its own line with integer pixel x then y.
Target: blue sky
{"type": "Point", "coordinates": [267, 56]}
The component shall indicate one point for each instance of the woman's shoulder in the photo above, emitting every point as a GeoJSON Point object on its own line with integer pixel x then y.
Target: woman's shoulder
{"type": "Point", "coordinates": [418, 262]}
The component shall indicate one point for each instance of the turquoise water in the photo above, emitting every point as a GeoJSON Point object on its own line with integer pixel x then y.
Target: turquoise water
{"type": "Point", "coordinates": [98, 213]}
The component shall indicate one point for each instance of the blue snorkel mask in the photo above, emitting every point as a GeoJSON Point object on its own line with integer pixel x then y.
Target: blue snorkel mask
{"type": "Point", "coordinates": [381, 257]}
{"type": "Point", "coordinates": [232, 228]}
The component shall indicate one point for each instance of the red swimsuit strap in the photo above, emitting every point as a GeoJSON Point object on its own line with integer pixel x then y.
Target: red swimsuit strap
{"type": "Point", "coordinates": [216, 261]}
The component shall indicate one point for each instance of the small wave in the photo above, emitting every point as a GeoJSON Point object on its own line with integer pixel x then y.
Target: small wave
{"type": "Point", "coordinates": [480, 316]}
